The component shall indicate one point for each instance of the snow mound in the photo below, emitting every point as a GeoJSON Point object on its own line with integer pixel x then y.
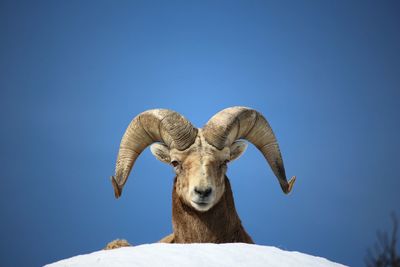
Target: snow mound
{"type": "Point", "coordinates": [195, 255]}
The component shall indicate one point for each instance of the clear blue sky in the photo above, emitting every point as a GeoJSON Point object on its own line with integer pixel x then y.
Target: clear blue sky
{"type": "Point", "coordinates": [73, 74]}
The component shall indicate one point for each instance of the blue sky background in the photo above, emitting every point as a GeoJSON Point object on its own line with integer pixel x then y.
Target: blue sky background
{"type": "Point", "coordinates": [73, 74]}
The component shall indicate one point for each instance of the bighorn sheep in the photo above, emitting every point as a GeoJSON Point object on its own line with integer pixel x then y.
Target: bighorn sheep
{"type": "Point", "coordinates": [203, 209]}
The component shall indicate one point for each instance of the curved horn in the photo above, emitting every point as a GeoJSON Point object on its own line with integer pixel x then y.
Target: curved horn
{"type": "Point", "coordinates": [234, 123]}
{"type": "Point", "coordinates": [157, 125]}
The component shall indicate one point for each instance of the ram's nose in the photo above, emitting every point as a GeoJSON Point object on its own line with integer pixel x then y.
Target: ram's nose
{"type": "Point", "coordinates": [203, 192]}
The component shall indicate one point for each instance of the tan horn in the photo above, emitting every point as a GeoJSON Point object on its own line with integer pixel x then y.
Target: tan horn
{"type": "Point", "coordinates": [235, 123]}
{"type": "Point", "coordinates": [157, 125]}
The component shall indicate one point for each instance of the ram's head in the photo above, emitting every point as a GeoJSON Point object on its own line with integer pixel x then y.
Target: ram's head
{"type": "Point", "coordinates": [198, 156]}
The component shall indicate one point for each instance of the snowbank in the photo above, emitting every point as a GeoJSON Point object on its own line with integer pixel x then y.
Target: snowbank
{"type": "Point", "coordinates": [195, 255]}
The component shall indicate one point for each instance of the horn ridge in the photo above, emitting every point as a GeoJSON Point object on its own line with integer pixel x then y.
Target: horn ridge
{"type": "Point", "coordinates": [252, 126]}
{"type": "Point", "coordinates": [156, 125]}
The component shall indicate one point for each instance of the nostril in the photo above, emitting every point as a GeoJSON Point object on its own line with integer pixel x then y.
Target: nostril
{"type": "Point", "coordinates": [207, 192]}
{"type": "Point", "coordinates": [203, 192]}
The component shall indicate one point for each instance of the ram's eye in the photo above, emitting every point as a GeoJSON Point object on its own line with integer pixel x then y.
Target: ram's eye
{"type": "Point", "coordinates": [174, 163]}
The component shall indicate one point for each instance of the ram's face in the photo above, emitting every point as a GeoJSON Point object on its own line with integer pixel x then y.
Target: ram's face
{"type": "Point", "coordinates": [200, 175]}
{"type": "Point", "coordinates": [200, 170]}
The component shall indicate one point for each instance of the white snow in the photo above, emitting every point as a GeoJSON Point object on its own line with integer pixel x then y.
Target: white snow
{"type": "Point", "coordinates": [195, 255]}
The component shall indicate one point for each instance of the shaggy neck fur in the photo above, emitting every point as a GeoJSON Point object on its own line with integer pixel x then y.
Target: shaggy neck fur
{"type": "Point", "coordinates": [220, 224]}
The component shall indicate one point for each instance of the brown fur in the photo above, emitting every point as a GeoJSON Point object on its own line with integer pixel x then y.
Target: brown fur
{"type": "Point", "coordinates": [220, 224]}
{"type": "Point", "coordinates": [117, 243]}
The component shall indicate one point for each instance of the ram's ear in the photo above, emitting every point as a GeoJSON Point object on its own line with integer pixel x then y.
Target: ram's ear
{"type": "Point", "coordinates": [161, 152]}
{"type": "Point", "coordinates": [237, 149]}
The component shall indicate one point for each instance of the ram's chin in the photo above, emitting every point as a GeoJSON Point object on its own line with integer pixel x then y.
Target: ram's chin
{"type": "Point", "coordinates": [201, 206]}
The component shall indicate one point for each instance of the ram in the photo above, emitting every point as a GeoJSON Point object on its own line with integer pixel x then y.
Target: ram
{"type": "Point", "coordinates": [203, 208]}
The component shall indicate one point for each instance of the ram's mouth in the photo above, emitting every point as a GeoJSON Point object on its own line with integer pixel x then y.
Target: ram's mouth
{"type": "Point", "coordinates": [201, 205]}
